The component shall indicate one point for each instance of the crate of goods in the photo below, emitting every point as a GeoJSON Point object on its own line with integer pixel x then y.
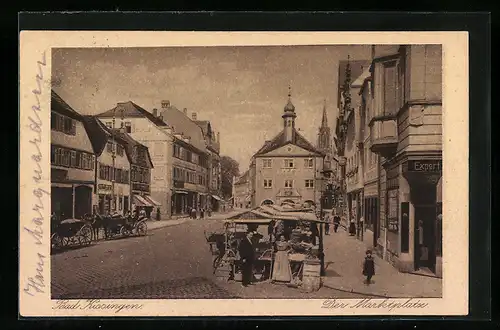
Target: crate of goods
{"type": "Point", "coordinates": [311, 275]}
{"type": "Point", "coordinates": [223, 272]}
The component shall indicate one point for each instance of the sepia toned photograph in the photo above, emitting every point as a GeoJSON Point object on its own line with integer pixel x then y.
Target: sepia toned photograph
{"type": "Point", "coordinates": [246, 172]}
{"type": "Point", "coordinates": [209, 175]}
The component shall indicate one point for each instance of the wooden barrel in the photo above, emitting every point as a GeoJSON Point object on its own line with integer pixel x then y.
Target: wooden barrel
{"type": "Point", "coordinates": [311, 276]}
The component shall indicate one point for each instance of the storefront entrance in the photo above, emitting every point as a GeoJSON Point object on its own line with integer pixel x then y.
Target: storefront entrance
{"type": "Point", "coordinates": [83, 201]}
{"type": "Point", "coordinates": [62, 202]}
{"type": "Point", "coordinates": [424, 201]}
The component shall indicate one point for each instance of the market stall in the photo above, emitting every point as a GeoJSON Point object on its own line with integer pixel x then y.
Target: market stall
{"type": "Point", "coordinates": [286, 241]}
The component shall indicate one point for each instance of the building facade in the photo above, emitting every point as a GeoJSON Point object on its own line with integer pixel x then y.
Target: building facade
{"type": "Point", "coordinates": [406, 133]}
{"type": "Point", "coordinates": [72, 162]}
{"type": "Point", "coordinates": [151, 131]}
{"type": "Point", "coordinates": [286, 169]}
{"type": "Point", "coordinates": [396, 126]}
{"type": "Point", "coordinates": [212, 140]}
{"type": "Point", "coordinates": [140, 173]}
{"type": "Point", "coordinates": [369, 163]}
{"type": "Point", "coordinates": [112, 168]}
{"type": "Point", "coordinates": [190, 161]}
{"type": "Point", "coordinates": [241, 191]}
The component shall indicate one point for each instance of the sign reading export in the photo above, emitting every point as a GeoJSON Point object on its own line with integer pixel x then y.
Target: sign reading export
{"type": "Point", "coordinates": [433, 166]}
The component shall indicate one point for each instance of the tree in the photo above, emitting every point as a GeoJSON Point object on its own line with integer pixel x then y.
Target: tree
{"type": "Point", "coordinates": [229, 169]}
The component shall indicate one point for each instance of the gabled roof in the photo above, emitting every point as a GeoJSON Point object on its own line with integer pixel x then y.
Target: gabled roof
{"type": "Point", "coordinates": [99, 135]}
{"type": "Point", "coordinates": [279, 141]}
{"type": "Point", "coordinates": [130, 145]}
{"type": "Point", "coordinates": [57, 104]}
{"type": "Point", "coordinates": [204, 125]}
{"type": "Point", "coordinates": [243, 178]}
{"type": "Point", "coordinates": [130, 109]}
{"type": "Point", "coordinates": [181, 124]}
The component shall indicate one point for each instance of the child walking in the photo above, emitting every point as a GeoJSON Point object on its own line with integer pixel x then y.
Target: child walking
{"type": "Point", "coordinates": [368, 267]}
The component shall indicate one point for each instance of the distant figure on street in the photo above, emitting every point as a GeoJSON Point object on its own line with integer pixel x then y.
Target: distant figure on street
{"type": "Point", "coordinates": [202, 213]}
{"type": "Point", "coordinates": [352, 228]}
{"type": "Point", "coordinates": [247, 256]}
{"type": "Point", "coordinates": [327, 223]}
{"type": "Point", "coordinates": [368, 267]}
{"type": "Point", "coordinates": [209, 211]}
{"type": "Point", "coordinates": [336, 221]}
{"type": "Point", "coordinates": [158, 215]}
{"type": "Point", "coordinates": [193, 213]}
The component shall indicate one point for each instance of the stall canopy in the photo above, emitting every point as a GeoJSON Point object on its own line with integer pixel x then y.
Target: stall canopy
{"type": "Point", "coordinates": [265, 214]}
{"type": "Point", "coordinates": [217, 197]}
{"type": "Point", "coordinates": [151, 200]}
{"type": "Point", "coordinates": [140, 201]}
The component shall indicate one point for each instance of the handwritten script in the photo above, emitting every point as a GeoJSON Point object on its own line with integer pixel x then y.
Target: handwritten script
{"type": "Point", "coordinates": [94, 304]}
{"type": "Point", "coordinates": [36, 282]}
{"type": "Point", "coordinates": [387, 304]}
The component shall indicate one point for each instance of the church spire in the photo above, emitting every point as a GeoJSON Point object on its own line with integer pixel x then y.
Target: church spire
{"type": "Point", "coordinates": [324, 120]}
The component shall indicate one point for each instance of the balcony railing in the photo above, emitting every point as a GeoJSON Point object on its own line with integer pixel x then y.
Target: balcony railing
{"type": "Point", "coordinates": [384, 135]}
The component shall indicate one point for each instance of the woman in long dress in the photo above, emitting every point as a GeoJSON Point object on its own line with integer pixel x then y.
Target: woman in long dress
{"type": "Point", "coordinates": [281, 269]}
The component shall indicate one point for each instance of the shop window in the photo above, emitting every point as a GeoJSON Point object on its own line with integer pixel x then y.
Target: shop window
{"type": "Point", "coordinates": [392, 208]}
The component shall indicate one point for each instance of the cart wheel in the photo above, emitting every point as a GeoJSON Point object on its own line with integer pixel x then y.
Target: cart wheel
{"type": "Point", "coordinates": [65, 241]}
{"type": "Point", "coordinates": [85, 235]}
{"type": "Point", "coordinates": [217, 262]}
{"type": "Point", "coordinates": [56, 241]}
{"type": "Point", "coordinates": [141, 228]}
{"type": "Point", "coordinates": [124, 231]}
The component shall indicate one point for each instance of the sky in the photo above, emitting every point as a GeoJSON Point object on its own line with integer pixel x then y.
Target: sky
{"type": "Point", "coordinates": [241, 90]}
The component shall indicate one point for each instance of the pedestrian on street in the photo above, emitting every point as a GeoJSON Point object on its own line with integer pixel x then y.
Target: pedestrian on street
{"type": "Point", "coordinates": [247, 256]}
{"type": "Point", "coordinates": [336, 222]}
{"type": "Point", "coordinates": [368, 267]}
{"type": "Point", "coordinates": [202, 213]}
{"type": "Point", "coordinates": [209, 212]}
{"type": "Point", "coordinates": [327, 224]}
{"type": "Point", "coordinates": [193, 213]}
{"type": "Point", "coordinates": [352, 228]}
{"type": "Point", "coordinates": [158, 215]}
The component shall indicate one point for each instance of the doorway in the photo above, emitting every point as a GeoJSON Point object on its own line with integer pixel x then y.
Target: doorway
{"type": "Point", "coordinates": [424, 201]}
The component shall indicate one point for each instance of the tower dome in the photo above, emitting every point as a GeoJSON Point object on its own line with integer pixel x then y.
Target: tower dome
{"type": "Point", "coordinates": [289, 107]}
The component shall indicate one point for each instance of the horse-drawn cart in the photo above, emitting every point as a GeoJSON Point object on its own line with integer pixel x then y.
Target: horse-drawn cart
{"type": "Point", "coordinates": [124, 226]}
{"type": "Point", "coordinates": [71, 232]}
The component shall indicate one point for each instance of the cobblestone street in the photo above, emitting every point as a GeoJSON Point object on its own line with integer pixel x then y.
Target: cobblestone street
{"type": "Point", "coordinates": [172, 262]}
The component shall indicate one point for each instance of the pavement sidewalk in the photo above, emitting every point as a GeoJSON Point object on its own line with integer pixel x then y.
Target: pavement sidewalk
{"type": "Point", "coordinates": [344, 257]}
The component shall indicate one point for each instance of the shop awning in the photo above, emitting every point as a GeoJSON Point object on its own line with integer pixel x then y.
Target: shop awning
{"type": "Point", "coordinates": [217, 197]}
{"type": "Point", "coordinates": [152, 201]}
{"type": "Point", "coordinates": [140, 201]}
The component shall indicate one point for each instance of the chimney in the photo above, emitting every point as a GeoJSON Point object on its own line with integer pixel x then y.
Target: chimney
{"type": "Point", "coordinates": [155, 112]}
{"type": "Point", "coordinates": [194, 116]}
{"type": "Point", "coordinates": [185, 110]}
{"type": "Point", "coordinates": [165, 104]}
